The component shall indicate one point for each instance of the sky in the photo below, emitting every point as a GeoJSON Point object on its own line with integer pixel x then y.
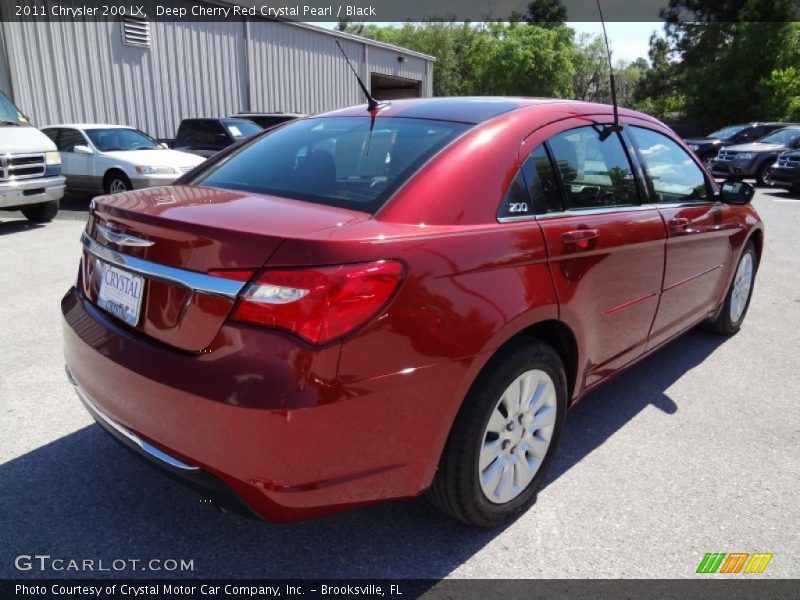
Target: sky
{"type": "Point", "coordinates": [628, 41]}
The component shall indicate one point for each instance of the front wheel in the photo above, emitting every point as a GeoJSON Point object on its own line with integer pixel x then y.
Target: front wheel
{"type": "Point", "coordinates": [737, 301]}
{"type": "Point", "coordinates": [116, 183]}
{"type": "Point", "coordinates": [42, 212]}
{"type": "Point", "coordinates": [504, 437]}
{"type": "Point", "coordinates": [762, 175]}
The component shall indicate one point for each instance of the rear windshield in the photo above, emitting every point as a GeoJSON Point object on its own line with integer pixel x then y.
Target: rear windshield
{"type": "Point", "coordinates": [727, 132]}
{"type": "Point", "coordinates": [241, 128]}
{"type": "Point", "coordinates": [349, 162]}
{"type": "Point", "coordinates": [782, 136]}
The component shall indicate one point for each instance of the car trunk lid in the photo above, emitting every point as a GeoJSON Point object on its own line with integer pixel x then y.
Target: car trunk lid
{"type": "Point", "coordinates": [190, 245]}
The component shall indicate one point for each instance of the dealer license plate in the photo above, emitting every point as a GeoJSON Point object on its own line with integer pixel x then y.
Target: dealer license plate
{"type": "Point", "coordinates": [120, 293]}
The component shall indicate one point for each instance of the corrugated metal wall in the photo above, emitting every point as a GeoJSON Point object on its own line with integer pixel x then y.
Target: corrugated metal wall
{"type": "Point", "coordinates": [82, 72]}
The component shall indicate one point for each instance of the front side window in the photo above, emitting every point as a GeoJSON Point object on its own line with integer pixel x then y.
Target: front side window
{"type": "Point", "coordinates": [351, 162]}
{"type": "Point", "coordinates": [674, 175]}
{"type": "Point", "coordinates": [595, 171]}
{"type": "Point", "coordinates": [117, 139]}
{"type": "Point", "coordinates": [70, 138]}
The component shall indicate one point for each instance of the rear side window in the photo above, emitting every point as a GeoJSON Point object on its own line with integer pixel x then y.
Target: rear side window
{"type": "Point", "coordinates": [534, 189]}
{"type": "Point", "coordinates": [595, 170]}
{"type": "Point", "coordinates": [675, 177]}
{"type": "Point", "coordinates": [351, 162]}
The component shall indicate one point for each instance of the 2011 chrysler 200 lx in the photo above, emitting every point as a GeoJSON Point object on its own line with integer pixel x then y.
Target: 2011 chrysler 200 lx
{"type": "Point", "coordinates": [366, 305]}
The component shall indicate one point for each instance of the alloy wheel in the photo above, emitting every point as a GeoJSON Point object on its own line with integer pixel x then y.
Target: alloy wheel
{"type": "Point", "coordinates": [517, 436]}
{"type": "Point", "coordinates": [742, 285]}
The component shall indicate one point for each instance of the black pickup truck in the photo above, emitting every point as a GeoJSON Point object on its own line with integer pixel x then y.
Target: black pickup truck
{"type": "Point", "coordinates": [208, 136]}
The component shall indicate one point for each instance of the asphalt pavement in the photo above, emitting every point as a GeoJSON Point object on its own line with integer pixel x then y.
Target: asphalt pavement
{"type": "Point", "coordinates": [694, 450]}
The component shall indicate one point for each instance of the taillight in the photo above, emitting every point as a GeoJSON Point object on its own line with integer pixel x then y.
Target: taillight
{"type": "Point", "coordinates": [318, 304]}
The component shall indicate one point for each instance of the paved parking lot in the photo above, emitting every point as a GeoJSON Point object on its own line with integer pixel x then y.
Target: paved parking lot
{"type": "Point", "coordinates": [695, 450]}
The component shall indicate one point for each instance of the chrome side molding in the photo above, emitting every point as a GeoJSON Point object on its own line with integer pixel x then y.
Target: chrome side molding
{"type": "Point", "coordinates": [193, 280]}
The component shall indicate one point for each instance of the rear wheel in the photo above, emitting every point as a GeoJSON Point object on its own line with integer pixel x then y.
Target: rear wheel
{"type": "Point", "coordinates": [42, 212]}
{"type": "Point", "coordinates": [504, 437]}
{"type": "Point", "coordinates": [730, 318]}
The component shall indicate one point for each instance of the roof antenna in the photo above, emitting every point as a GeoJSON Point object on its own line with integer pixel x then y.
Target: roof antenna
{"type": "Point", "coordinates": [372, 104]}
{"type": "Point", "coordinates": [616, 126]}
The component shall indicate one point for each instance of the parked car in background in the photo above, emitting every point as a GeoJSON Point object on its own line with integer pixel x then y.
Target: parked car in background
{"type": "Point", "coordinates": [30, 166]}
{"type": "Point", "coordinates": [267, 120]}
{"type": "Point", "coordinates": [707, 147]}
{"type": "Point", "coordinates": [205, 137]}
{"type": "Point", "coordinates": [785, 172]}
{"type": "Point", "coordinates": [115, 158]}
{"type": "Point", "coordinates": [302, 329]}
{"type": "Point", "coordinates": [752, 160]}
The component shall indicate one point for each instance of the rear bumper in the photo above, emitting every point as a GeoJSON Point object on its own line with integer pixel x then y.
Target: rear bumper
{"type": "Point", "coordinates": [192, 476]}
{"type": "Point", "coordinates": [31, 191]}
{"type": "Point", "coordinates": [266, 419]}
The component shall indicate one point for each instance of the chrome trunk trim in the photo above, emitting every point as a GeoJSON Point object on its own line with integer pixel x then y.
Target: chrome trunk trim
{"type": "Point", "coordinates": [193, 280]}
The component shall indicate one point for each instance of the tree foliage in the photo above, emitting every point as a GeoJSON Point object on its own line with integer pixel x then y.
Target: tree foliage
{"type": "Point", "coordinates": [724, 62]}
{"type": "Point", "coordinates": [535, 55]}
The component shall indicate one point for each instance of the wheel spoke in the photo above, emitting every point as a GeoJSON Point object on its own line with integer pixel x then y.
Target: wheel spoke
{"type": "Point", "coordinates": [546, 417]}
{"type": "Point", "coordinates": [497, 422]}
{"type": "Point", "coordinates": [523, 474]}
{"type": "Point", "coordinates": [538, 446]}
{"type": "Point", "coordinates": [489, 453]}
{"type": "Point", "coordinates": [505, 488]}
{"type": "Point", "coordinates": [491, 477]}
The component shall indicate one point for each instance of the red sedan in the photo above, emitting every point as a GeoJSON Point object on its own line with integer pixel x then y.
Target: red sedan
{"type": "Point", "coordinates": [367, 305]}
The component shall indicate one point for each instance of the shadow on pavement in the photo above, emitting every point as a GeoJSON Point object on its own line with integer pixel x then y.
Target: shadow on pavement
{"type": "Point", "coordinates": [83, 496]}
{"type": "Point", "coordinates": [782, 194]}
{"type": "Point", "coordinates": [10, 224]}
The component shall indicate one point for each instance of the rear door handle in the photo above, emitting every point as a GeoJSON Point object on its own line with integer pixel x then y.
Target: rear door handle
{"type": "Point", "coordinates": [580, 239]}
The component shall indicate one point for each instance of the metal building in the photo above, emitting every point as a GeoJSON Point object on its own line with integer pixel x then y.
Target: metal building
{"type": "Point", "coordinates": [152, 74]}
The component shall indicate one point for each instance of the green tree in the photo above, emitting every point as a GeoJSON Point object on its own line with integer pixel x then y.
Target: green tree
{"type": "Point", "coordinates": [519, 59]}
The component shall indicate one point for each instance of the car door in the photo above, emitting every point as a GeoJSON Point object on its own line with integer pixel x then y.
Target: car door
{"type": "Point", "coordinates": [78, 169]}
{"type": "Point", "coordinates": [699, 230]}
{"type": "Point", "coordinates": [606, 248]}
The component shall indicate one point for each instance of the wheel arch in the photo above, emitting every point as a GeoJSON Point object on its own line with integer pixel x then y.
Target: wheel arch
{"type": "Point", "coordinates": [556, 334]}
{"type": "Point", "coordinates": [114, 170]}
{"type": "Point", "coordinates": [757, 237]}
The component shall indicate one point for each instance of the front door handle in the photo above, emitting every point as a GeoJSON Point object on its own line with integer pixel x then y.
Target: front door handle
{"type": "Point", "coordinates": [678, 224]}
{"type": "Point", "coordinates": [580, 239]}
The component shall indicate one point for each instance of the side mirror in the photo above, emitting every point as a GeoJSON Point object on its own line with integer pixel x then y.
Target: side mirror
{"type": "Point", "coordinates": [164, 145]}
{"type": "Point", "coordinates": [81, 149]}
{"type": "Point", "coordinates": [736, 192]}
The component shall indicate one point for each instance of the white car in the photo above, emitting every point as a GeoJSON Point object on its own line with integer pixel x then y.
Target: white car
{"type": "Point", "coordinates": [115, 158]}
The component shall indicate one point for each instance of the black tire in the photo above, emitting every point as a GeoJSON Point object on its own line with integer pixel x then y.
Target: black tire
{"type": "Point", "coordinates": [761, 172]}
{"type": "Point", "coordinates": [42, 212]}
{"type": "Point", "coordinates": [116, 178]}
{"type": "Point", "coordinates": [723, 323]}
{"type": "Point", "coordinates": [456, 486]}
